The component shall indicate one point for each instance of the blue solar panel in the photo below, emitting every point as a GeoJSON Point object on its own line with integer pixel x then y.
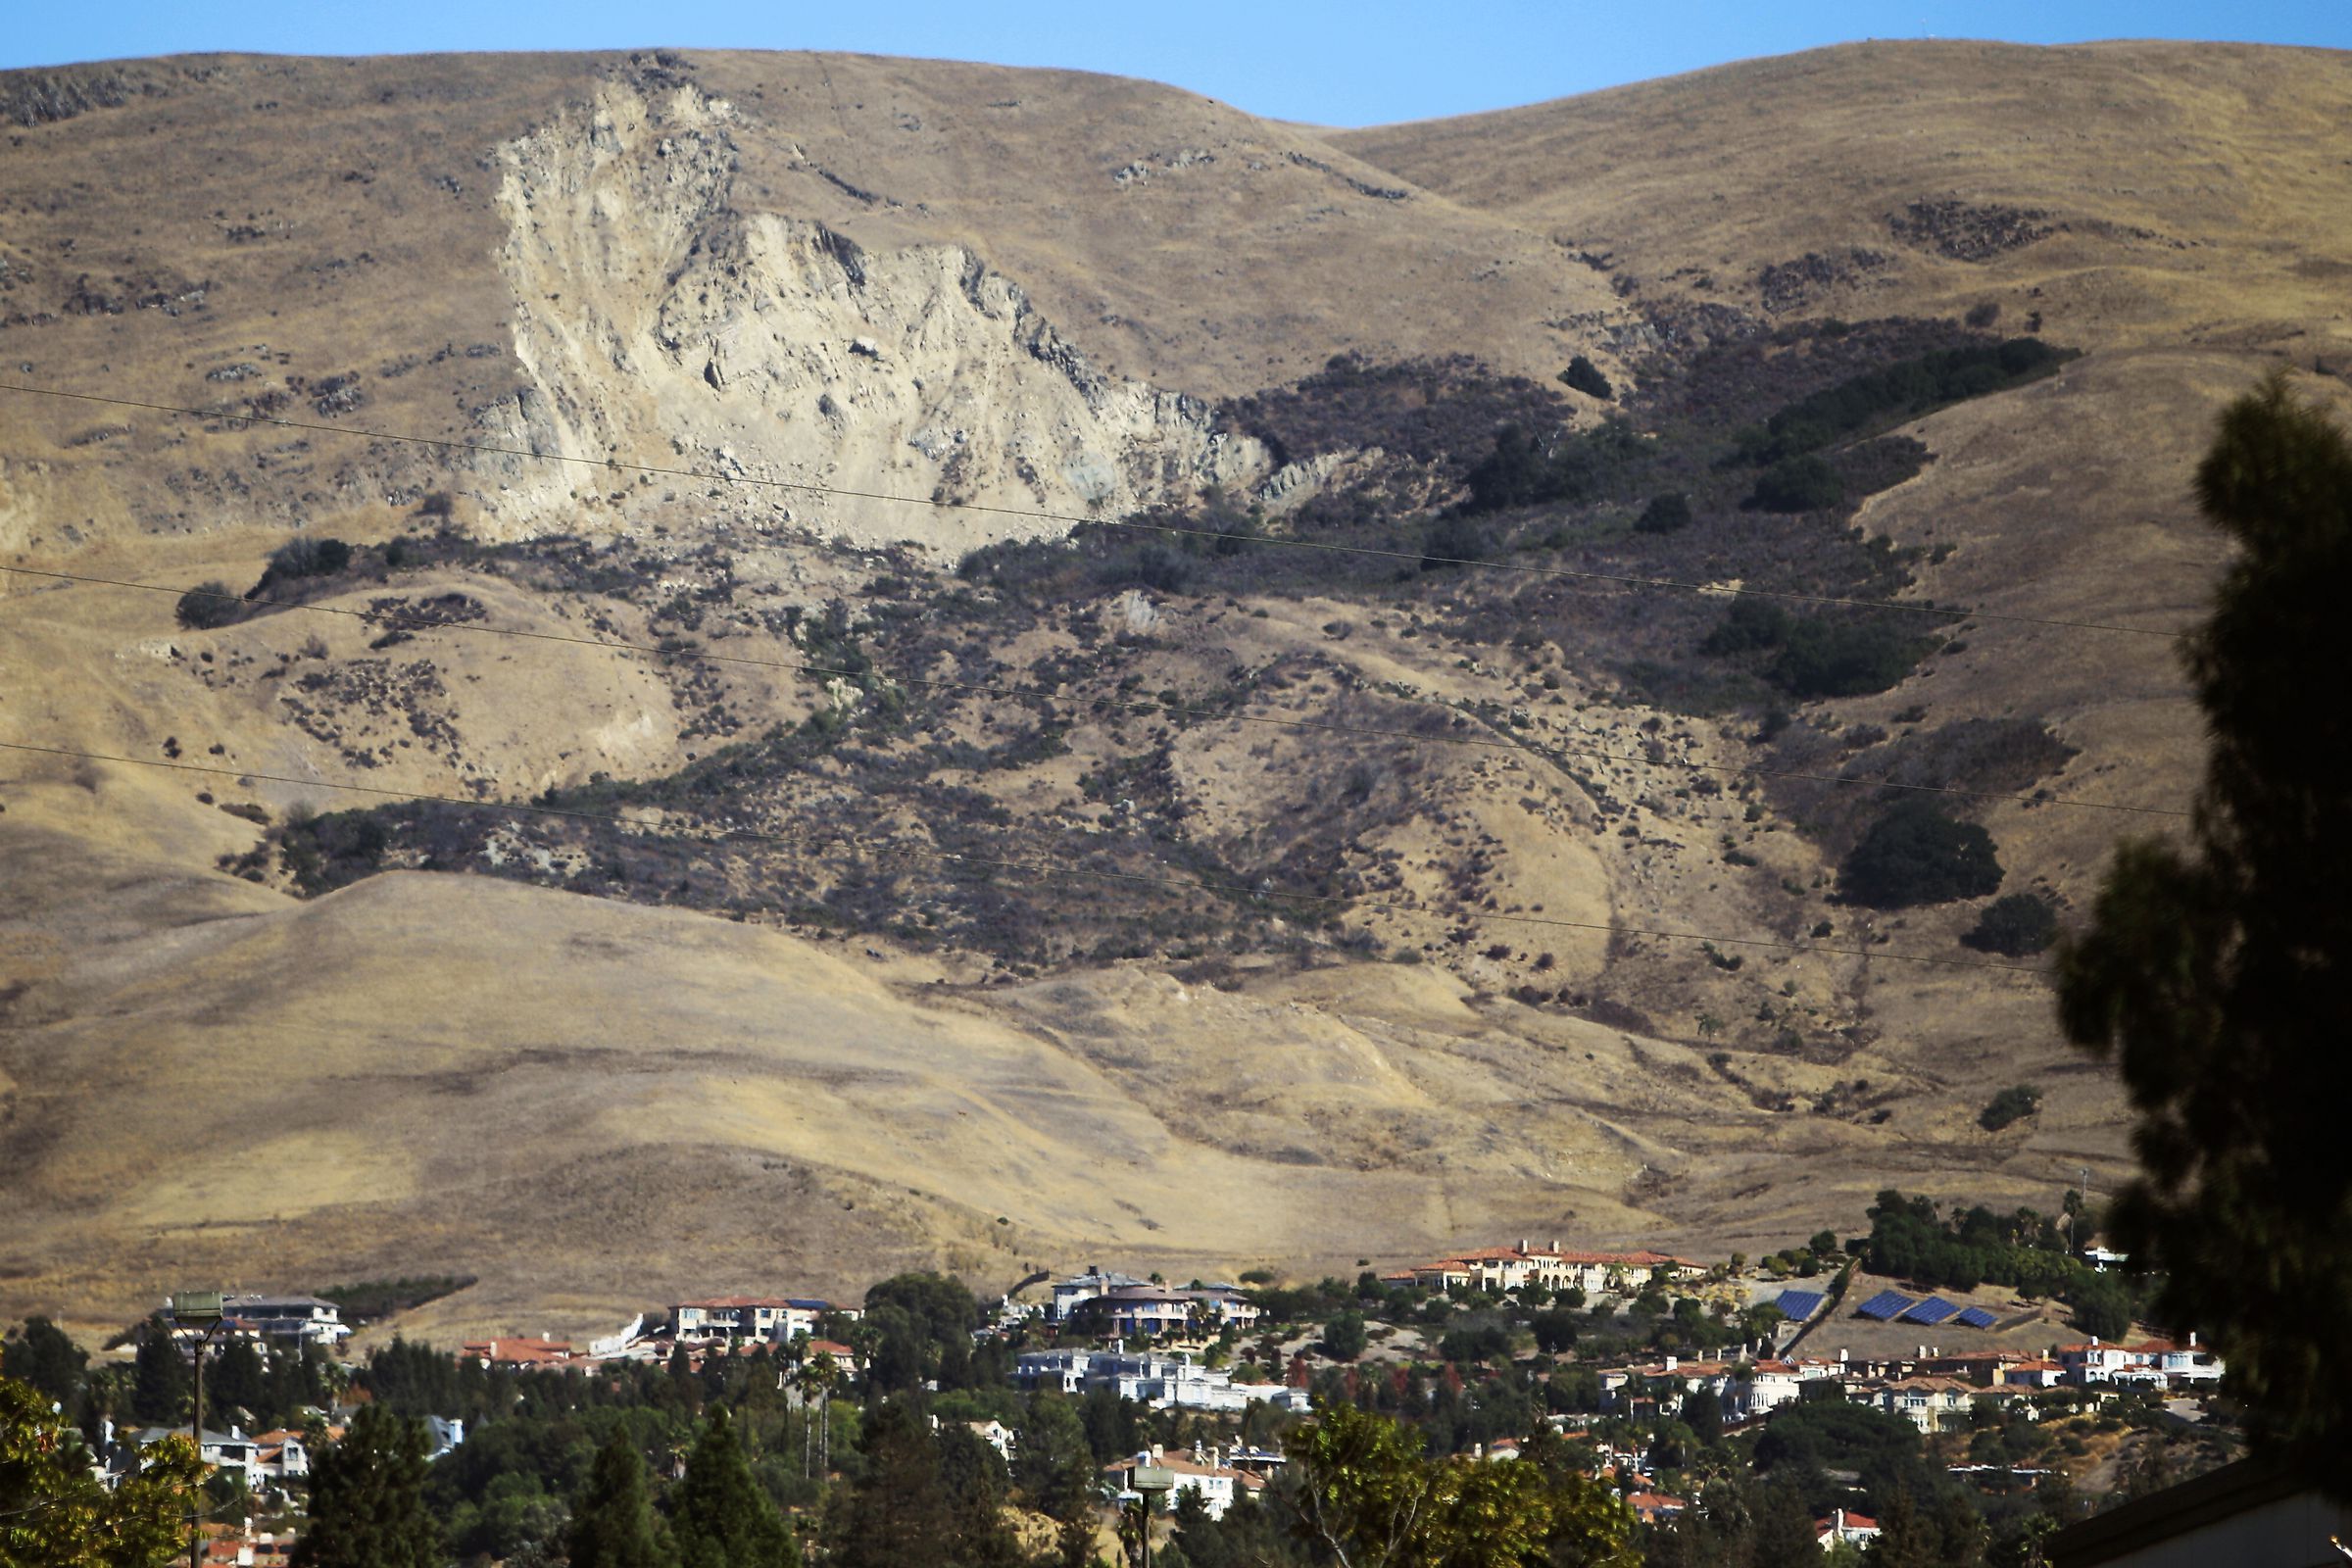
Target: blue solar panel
{"type": "Point", "coordinates": [1885, 1306]}
{"type": "Point", "coordinates": [1976, 1317]}
{"type": "Point", "coordinates": [1797, 1306]}
{"type": "Point", "coordinates": [1935, 1309]}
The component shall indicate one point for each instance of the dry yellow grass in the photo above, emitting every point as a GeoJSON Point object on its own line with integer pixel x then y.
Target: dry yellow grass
{"type": "Point", "coordinates": [592, 1106]}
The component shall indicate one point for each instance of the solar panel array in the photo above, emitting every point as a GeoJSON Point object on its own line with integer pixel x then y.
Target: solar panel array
{"type": "Point", "coordinates": [1797, 1306]}
{"type": "Point", "coordinates": [1885, 1306]}
{"type": "Point", "coordinates": [1976, 1317]}
{"type": "Point", "coordinates": [1935, 1309]}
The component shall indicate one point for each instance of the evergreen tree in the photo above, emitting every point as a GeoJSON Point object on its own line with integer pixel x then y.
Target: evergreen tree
{"type": "Point", "coordinates": [43, 1357]}
{"type": "Point", "coordinates": [1053, 1463]}
{"type": "Point", "coordinates": [368, 1506]}
{"type": "Point", "coordinates": [1907, 1537]}
{"type": "Point", "coordinates": [612, 1522]}
{"type": "Point", "coordinates": [973, 1477]}
{"type": "Point", "coordinates": [2219, 973]}
{"type": "Point", "coordinates": [236, 1380]}
{"type": "Point", "coordinates": [1784, 1528]}
{"type": "Point", "coordinates": [718, 1514]}
{"type": "Point", "coordinates": [897, 1512]}
{"type": "Point", "coordinates": [159, 1377]}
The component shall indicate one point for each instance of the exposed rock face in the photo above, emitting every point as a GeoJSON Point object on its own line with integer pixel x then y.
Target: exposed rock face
{"type": "Point", "coordinates": [660, 324]}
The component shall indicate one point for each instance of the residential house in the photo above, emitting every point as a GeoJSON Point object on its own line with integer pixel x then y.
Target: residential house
{"type": "Point", "coordinates": [775, 1318]}
{"type": "Point", "coordinates": [1151, 1311]}
{"type": "Point", "coordinates": [1202, 1471]}
{"type": "Point", "coordinates": [996, 1434]}
{"type": "Point", "coordinates": [280, 1456]}
{"type": "Point", "coordinates": [1931, 1404]}
{"type": "Point", "coordinates": [1845, 1524]}
{"type": "Point", "coordinates": [231, 1451]}
{"type": "Point", "coordinates": [2034, 1374]}
{"type": "Point", "coordinates": [1502, 1269]}
{"type": "Point", "coordinates": [1651, 1507]}
{"type": "Point", "coordinates": [1162, 1381]}
{"type": "Point", "coordinates": [2152, 1364]}
{"type": "Point", "coordinates": [300, 1318]}
{"type": "Point", "coordinates": [1072, 1294]}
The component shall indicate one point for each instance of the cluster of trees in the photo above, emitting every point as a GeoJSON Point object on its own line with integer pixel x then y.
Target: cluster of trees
{"type": "Point", "coordinates": [2017, 925]}
{"type": "Point", "coordinates": [1523, 470]}
{"type": "Point", "coordinates": [1809, 656]}
{"type": "Point", "coordinates": [2024, 1250]}
{"type": "Point", "coordinates": [215, 605]}
{"type": "Point", "coordinates": [2009, 1107]}
{"type": "Point", "coordinates": [1914, 854]}
{"type": "Point", "coordinates": [1895, 393]}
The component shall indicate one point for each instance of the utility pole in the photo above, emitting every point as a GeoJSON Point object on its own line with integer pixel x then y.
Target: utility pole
{"type": "Point", "coordinates": [198, 1311]}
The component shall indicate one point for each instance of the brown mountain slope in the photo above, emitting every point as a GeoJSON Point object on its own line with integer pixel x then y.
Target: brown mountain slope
{"type": "Point", "coordinates": [2130, 192]}
{"type": "Point", "coordinates": [1027, 288]}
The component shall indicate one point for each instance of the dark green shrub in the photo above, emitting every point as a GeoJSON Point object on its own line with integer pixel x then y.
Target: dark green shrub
{"type": "Point", "coordinates": [1916, 855]}
{"type": "Point", "coordinates": [308, 557]}
{"type": "Point", "coordinates": [1905, 391]}
{"type": "Point", "coordinates": [209, 606]}
{"type": "Point", "coordinates": [1804, 483]}
{"type": "Point", "coordinates": [2019, 925]}
{"type": "Point", "coordinates": [1814, 655]}
{"type": "Point", "coordinates": [1842, 658]}
{"type": "Point", "coordinates": [1452, 539]}
{"type": "Point", "coordinates": [1665, 514]}
{"type": "Point", "coordinates": [1582, 376]}
{"type": "Point", "coordinates": [2010, 1105]}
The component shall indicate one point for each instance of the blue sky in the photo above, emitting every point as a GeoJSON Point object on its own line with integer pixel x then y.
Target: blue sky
{"type": "Point", "coordinates": [1331, 64]}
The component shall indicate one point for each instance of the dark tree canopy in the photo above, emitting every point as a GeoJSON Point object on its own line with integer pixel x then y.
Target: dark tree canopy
{"type": "Point", "coordinates": [43, 1356]}
{"type": "Point", "coordinates": [2218, 972]}
{"type": "Point", "coordinates": [2020, 924]}
{"type": "Point", "coordinates": [1916, 855]}
{"type": "Point", "coordinates": [1667, 512]}
{"type": "Point", "coordinates": [613, 1520]}
{"type": "Point", "coordinates": [209, 605]}
{"type": "Point", "coordinates": [718, 1514]}
{"type": "Point", "coordinates": [1582, 376]}
{"type": "Point", "coordinates": [368, 1507]}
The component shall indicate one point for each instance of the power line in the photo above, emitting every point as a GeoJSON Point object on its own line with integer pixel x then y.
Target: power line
{"type": "Point", "coordinates": [1202, 714]}
{"type": "Point", "coordinates": [1033, 515]}
{"type": "Point", "coordinates": [1195, 885]}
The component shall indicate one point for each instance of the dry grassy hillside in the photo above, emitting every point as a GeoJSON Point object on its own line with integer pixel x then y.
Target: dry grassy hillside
{"type": "Point", "coordinates": [896, 956]}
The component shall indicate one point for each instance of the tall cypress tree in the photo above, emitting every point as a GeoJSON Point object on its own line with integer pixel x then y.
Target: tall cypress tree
{"type": "Point", "coordinates": [367, 1499]}
{"type": "Point", "coordinates": [613, 1520]}
{"type": "Point", "coordinates": [719, 1516]}
{"type": "Point", "coordinates": [2219, 972]}
{"type": "Point", "coordinates": [898, 1511]}
{"type": "Point", "coordinates": [159, 1377]}
{"type": "Point", "coordinates": [44, 1357]}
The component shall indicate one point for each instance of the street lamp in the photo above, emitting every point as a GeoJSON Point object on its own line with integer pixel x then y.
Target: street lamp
{"type": "Point", "coordinates": [196, 1316]}
{"type": "Point", "coordinates": [1150, 1481]}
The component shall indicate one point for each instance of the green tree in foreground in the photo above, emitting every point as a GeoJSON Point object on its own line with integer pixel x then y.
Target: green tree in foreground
{"type": "Point", "coordinates": [54, 1513]}
{"type": "Point", "coordinates": [1368, 1497]}
{"type": "Point", "coordinates": [2219, 973]}
{"type": "Point", "coordinates": [613, 1520]}
{"type": "Point", "coordinates": [368, 1506]}
{"type": "Point", "coordinates": [718, 1514]}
